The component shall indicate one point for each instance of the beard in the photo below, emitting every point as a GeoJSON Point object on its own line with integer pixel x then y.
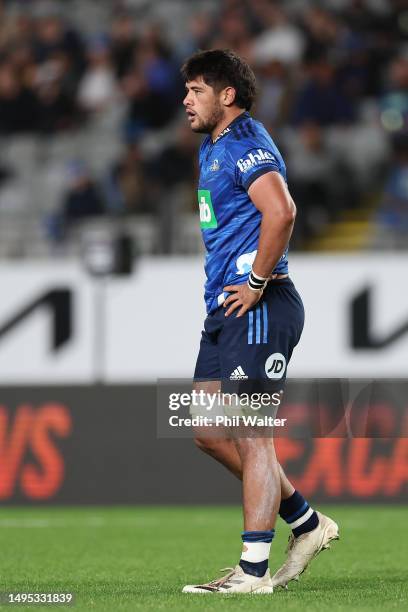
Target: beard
{"type": "Point", "coordinates": [206, 126]}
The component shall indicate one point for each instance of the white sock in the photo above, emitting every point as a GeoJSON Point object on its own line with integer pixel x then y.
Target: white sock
{"type": "Point", "coordinates": [255, 552]}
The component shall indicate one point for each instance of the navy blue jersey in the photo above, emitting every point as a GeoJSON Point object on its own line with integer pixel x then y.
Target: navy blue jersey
{"type": "Point", "coordinates": [230, 222]}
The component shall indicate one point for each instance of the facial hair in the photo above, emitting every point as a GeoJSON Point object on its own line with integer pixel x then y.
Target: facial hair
{"type": "Point", "coordinates": [208, 126]}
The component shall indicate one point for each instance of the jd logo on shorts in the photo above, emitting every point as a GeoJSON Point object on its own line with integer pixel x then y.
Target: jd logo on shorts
{"type": "Point", "coordinates": [207, 216]}
{"type": "Point", "coordinates": [275, 366]}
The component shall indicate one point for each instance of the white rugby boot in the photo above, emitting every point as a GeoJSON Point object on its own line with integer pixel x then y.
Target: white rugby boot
{"type": "Point", "coordinates": [236, 581]}
{"type": "Point", "coordinates": [303, 549]}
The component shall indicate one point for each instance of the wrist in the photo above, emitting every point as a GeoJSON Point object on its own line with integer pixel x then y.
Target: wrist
{"type": "Point", "coordinates": [255, 282]}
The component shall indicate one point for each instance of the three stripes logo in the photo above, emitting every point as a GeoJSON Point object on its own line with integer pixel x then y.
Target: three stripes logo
{"type": "Point", "coordinates": [258, 325]}
{"type": "Point", "coordinates": [238, 374]}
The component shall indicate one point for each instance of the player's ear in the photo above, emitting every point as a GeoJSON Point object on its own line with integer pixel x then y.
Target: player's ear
{"type": "Point", "coordinates": [228, 96]}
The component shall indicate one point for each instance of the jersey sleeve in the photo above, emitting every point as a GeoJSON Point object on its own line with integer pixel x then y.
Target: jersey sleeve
{"type": "Point", "coordinates": [253, 163]}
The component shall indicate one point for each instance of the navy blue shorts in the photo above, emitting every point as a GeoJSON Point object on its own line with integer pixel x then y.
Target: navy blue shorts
{"type": "Point", "coordinates": [256, 348]}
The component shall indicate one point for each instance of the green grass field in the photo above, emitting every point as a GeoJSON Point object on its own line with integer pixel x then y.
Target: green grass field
{"type": "Point", "coordinates": [139, 558]}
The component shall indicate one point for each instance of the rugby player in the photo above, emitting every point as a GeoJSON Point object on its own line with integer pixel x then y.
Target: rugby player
{"type": "Point", "coordinates": [254, 313]}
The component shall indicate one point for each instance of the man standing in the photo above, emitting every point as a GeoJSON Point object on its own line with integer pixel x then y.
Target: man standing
{"type": "Point", "coordinates": [255, 315]}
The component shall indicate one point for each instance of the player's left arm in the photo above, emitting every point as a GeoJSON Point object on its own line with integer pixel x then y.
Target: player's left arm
{"type": "Point", "coordinates": [270, 195]}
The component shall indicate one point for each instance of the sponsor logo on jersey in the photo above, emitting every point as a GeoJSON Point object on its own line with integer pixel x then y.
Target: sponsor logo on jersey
{"type": "Point", "coordinates": [238, 374]}
{"type": "Point", "coordinates": [254, 159]}
{"type": "Point", "coordinates": [208, 220]}
{"type": "Point", "coordinates": [245, 261]}
{"type": "Point", "coordinates": [275, 366]}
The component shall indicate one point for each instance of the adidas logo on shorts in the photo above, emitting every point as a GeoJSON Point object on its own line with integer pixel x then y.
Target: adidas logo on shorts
{"type": "Point", "coordinates": [238, 374]}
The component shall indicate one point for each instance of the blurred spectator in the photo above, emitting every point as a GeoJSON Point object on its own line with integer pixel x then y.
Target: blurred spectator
{"type": "Point", "coordinates": [359, 16]}
{"type": "Point", "coordinates": [123, 43]}
{"type": "Point", "coordinates": [21, 58]}
{"type": "Point", "coordinates": [198, 36]}
{"type": "Point", "coordinates": [394, 103]}
{"type": "Point", "coordinates": [42, 61]}
{"type": "Point", "coordinates": [354, 67]}
{"type": "Point", "coordinates": [396, 22]}
{"type": "Point", "coordinates": [57, 104]}
{"type": "Point", "coordinates": [319, 66]}
{"type": "Point", "coordinates": [82, 198]}
{"type": "Point", "coordinates": [282, 40]}
{"type": "Point", "coordinates": [176, 164]}
{"type": "Point", "coordinates": [81, 201]}
{"type": "Point", "coordinates": [233, 31]}
{"type": "Point", "coordinates": [173, 175]}
{"type": "Point", "coordinates": [393, 212]}
{"type": "Point", "coordinates": [371, 43]}
{"type": "Point", "coordinates": [19, 107]}
{"type": "Point", "coordinates": [53, 36]}
{"type": "Point", "coordinates": [275, 89]}
{"type": "Point", "coordinates": [319, 182]}
{"type": "Point", "coordinates": [153, 85]}
{"type": "Point", "coordinates": [322, 31]}
{"type": "Point", "coordinates": [15, 28]}
{"type": "Point", "coordinates": [126, 186]}
{"type": "Point", "coordinates": [320, 100]}
{"type": "Point", "coordinates": [97, 88]}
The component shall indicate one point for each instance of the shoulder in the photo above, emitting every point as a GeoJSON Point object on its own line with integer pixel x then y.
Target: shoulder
{"type": "Point", "coordinates": [250, 136]}
{"type": "Point", "coordinates": [249, 133]}
{"type": "Point", "coordinates": [253, 152]}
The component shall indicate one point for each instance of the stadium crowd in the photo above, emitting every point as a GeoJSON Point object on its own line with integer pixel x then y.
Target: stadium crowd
{"type": "Point", "coordinates": [333, 91]}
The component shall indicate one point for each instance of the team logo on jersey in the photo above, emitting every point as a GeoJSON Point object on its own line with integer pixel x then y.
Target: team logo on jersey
{"type": "Point", "coordinates": [215, 166]}
{"type": "Point", "coordinates": [254, 159]}
{"type": "Point", "coordinates": [245, 261]}
{"type": "Point", "coordinates": [275, 366]}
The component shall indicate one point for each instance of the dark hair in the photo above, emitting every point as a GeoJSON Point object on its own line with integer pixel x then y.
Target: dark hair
{"type": "Point", "coordinates": [222, 68]}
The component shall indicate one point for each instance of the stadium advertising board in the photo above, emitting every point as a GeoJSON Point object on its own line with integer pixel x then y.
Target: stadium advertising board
{"type": "Point", "coordinates": [60, 326]}
{"type": "Point", "coordinates": [98, 445]}
{"type": "Point", "coordinates": [46, 324]}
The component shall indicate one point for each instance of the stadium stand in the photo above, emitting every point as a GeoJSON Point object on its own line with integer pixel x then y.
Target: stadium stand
{"type": "Point", "coordinates": [106, 103]}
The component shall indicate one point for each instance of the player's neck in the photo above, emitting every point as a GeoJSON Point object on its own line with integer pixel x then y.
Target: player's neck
{"type": "Point", "coordinates": [229, 118]}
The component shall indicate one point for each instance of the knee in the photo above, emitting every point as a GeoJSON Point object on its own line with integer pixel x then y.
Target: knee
{"type": "Point", "coordinates": [255, 447]}
{"type": "Point", "coordinates": [204, 444]}
{"type": "Point", "coordinates": [208, 445]}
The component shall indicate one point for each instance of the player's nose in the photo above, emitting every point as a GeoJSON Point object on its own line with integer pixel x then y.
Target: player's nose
{"type": "Point", "coordinates": [187, 99]}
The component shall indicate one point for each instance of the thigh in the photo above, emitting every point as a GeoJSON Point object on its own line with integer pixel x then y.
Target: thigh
{"type": "Point", "coordinates": [208, 361]}
{"type": "Point", "coordinates": [210, 435]}
{"type": "Point", "coordinates": [207, 380]}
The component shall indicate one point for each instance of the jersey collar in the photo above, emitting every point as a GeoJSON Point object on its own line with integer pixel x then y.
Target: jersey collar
{"type": "Point", "coordinates": [229, 127]}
